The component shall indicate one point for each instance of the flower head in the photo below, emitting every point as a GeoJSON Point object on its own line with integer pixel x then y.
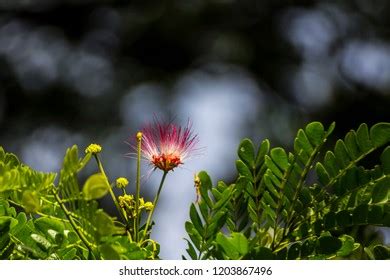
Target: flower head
{"type": "Point", "coordinates": [128, 204]}
{"type": "Point", "coordinates": [122, 182]}
{"type": "Point", "coordinates": [167, 145]}
{"type": "Point", "coordinates": [148, 206]}
{"type": "Point", "coordinates": [93, 149]}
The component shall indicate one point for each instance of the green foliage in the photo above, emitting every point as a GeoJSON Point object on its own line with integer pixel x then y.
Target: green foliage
{"type": "Point", "coordinates": [308, 203]}
{"type": "Point", "coordinates": [42, 220]}
{"type": "Point", "coordinates": [95, 187]}
{"type": "Point", "coordinates": [305, 204]}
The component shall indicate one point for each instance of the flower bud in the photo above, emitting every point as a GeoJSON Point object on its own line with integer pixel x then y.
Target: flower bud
{"type": "Point", "coordinates": [121, 182]}
{"type": "Point", "coordinates": [93, 149]}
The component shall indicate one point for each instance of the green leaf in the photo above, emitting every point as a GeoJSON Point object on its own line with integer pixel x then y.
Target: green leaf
{"type": "Point", "coordinates": [281, 254]}
{"type": "Point", "coordinates": [263, 253]}
{"type": "Point", "coordinates": [134, 252]}
{"type": "Point", "coordinates": [84, 161]}
{"type": "Point", "coordinates": [246, 152]}
{"type": "Point", "coordinates": [328, 245]}
{"type": "Point", "coordinates": [331, 128]}
{"type": "Point", "coordinates": [271, 165]}
{"type": "Point", "coordinates": [56, 237]}
{"type": "Point", "coordinates": [381, 252]}
{"type": "Point", "coordinates": [269, 180]}
{"type": "Point", "coordinates": [351, 145]}
{"type": "Point", "coordinates": [375, 215]}
{"type": "Point", "coordinates": [330, 220]}
{"type": "Point", "coordinates": [30, 201]}
{"type": "Point", "coordinates": [363, 138]}
{"type": "Point", "coordinates": [205, 180]}
{"type": "Point", "coordinates": [279, 156]}
{"type": "Point", "coordinates": [380, 134]}
{"type": "Point", "coordinates": [104, 223]}
{"type": "Point", "coordinates": [344, 218]}
{"type": "Point", "coordinates": [6, 224]}
{"type": "Point", "coordinates": [108, 252]}
{"type": "Point", "coordinates": [204, 209]}
{"type": "Point", "coordinates": [225, 196]}
{"type": "Point", "coordinates": [308, 247]}
{"type": "Point", "coordinates": [385, 160]}
{"type": "Point", "coordinates": [191, 250]}
{"type": "Point", "coordinates": [360, 214]}
{"type": "Point", "coordinates": [193, 234]}
{"type": "Point", "coordinates": [235, 247]}
{"type": "Point", "coordinates": [195, 219]}
{"type": "Point", "coordinates": [95, 187]}
{"type": "Point", "coordinates": [330, 164]}
{"type": "Point", "coordinates": [340, 151]}
{"type": "Point", "coordinates": [263, 150]}
{"type": "Point", "coordinates": [269, 200]}
{"type": "Point", "coordinates": [322, 174]}
{"type": "Point", "coordinates": [46, 223]}
{"type": "Point", "coordinates": [381, 191]}
{"type": "Point", "coordinates": [347, 247]}
{"type": "Point", "coordinates": [11, 160]}
{"type": "Point", "coordinates": [243, 170]}
{"type": "Point", "coordinates": [217, 222]}
{"type": "Point", "coordinates": [315, 132]}
{"type": "Point", "coordinates": [294, 251]}
{"type": "Point", "coordinates": [302, 143]}
{"type": "Point", "coordinates": [68, 253]}
{"type": "Point", "coordinates": [205, 187]}
{"type": "Point", "coordinates": [41, 241]}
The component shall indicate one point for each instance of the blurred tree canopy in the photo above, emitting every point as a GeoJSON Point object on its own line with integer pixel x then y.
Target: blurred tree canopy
{"type": "Point", "coordinates": [326, 57]}
{"type": "Point", "coordinates": [71, 70]}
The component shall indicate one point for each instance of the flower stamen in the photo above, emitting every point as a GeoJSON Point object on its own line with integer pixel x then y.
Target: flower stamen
{"type": "Point", "coordinates": [166, 145]}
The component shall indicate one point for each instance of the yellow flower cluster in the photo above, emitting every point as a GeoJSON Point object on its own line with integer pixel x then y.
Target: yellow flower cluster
{"type": "Point", "coordinates": [93, 149]}
{"type": "Point", "coordinates": [122, 182]}
{"type": "Point", "coordinates": [148, 206]}
{"type": "Point", "coordinates": [127, 203]}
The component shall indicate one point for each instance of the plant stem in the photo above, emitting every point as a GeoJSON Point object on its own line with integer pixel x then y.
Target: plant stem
{"type": "Point", "coordinates": [73, 223]}
{"type": "Point", "coordinates": [155, 203]}
{"type": "Point", "coordinates": [110, 188]}
{"type": "Point", "coordinates": [138, 187]}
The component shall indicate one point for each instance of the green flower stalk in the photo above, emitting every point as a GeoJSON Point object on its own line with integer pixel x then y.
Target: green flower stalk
{"type": "Point", "coordinates": [95, 149]}
{"type": "Point", "coordinates": [138, 184]}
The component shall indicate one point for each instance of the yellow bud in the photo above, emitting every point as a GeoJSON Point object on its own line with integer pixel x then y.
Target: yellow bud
{"type": "Point", "coordinates": [122, 182]}
{"type": "Point", "coordinates": [139, 136]}
{"type": "Point", "coordinates": [148, 206]}
{"type": "Point", "coordinates": [93, 149]}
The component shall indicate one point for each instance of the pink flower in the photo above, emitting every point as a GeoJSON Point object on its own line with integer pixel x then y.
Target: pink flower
{"type": "Point", "coordinates": [167, 145]}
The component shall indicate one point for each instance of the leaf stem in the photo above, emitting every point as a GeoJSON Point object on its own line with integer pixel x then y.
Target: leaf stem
{"type": "Point", "coordinates": [280, 201]}
{"type": "Point", "coordinates": [154, 203]}
{"type": "Point", "coordinates": [72, 222]}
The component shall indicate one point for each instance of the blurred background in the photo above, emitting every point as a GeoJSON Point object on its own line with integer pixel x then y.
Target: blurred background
{"type": "Point", "coordinates": [82, 71]}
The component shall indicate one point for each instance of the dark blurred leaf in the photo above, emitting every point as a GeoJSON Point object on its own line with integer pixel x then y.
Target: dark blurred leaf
{"type": "Point", "coordinates": [328, 245]}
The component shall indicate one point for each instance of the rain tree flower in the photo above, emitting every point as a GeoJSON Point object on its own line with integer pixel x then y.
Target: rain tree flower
{"type": "Point", "coordinates": [167, 145]}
